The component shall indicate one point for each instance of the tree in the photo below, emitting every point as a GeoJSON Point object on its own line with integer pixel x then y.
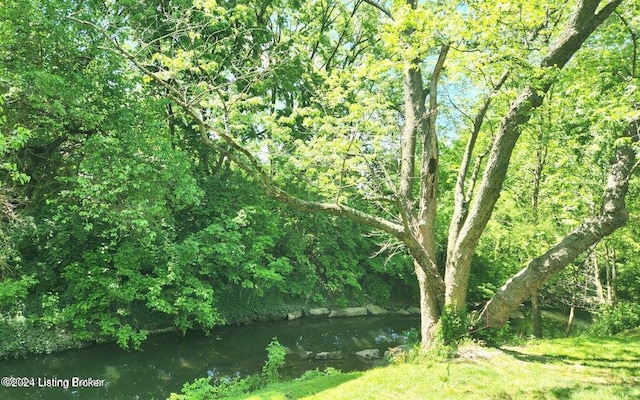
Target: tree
{"type": "Point", "coordinates": [318, 92]}
{"type": "Point", "coordinates": [105, 179]}
{"type": "Point", "coordinates": [10, 142]}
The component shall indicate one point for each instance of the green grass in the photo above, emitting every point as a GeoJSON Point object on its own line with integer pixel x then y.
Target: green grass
{"type": "Point", "coordinates": [304, 387]}
{"type": "Point", "coordinates": [582, 368]}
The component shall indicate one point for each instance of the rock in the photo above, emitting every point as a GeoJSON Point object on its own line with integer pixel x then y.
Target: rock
{"type": "Point", "coordinates": [475, 352]}
{"type": "Point", "coordinates": [375, 310]}
{"type": "Point", "coordinates": [294, 315]}
{"type": "Point", "coordinates": [397, 351]}
{"type": "Point", "coordinates": [318, 312]}
{"type": "Point", "coordinates": [414, 310]}
{"type": "Point", "coordinates": [402, 311]}
{"type": "Point", "coordinates": [349, 312]}
{"type": "Point", "coordinates": [329, 355]}
{"type": "Point", "coordinates": [305, 355]}
{"type": "Point", "coordinates": [368, 353]}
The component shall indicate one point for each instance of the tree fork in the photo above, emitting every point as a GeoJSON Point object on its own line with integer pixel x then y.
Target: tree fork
{"type": "Point", "coordinates": [415, 228]}
{"type": "Point", "coordinates": [583, 22]}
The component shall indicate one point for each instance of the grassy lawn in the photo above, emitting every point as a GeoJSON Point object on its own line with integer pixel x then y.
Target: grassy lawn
{"type": "Point", "coordinates": [574, 368]}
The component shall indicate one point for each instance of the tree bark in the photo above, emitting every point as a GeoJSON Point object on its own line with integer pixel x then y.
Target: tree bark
{"type": "Point", "coordinates": [612, 215]}
{"type": "Point", "coordinates": [416, 228]}
{"type": "Point", "coordinates": [541, 156]}
{"type": "Point", "coordinates": [611, 275]}
{"type": "Point", "coordinates": [430, 305]}
{"type": "Point", "coordinates": [414, 111]}
{"type": "Point", "coordinates": [582, 23]}
{"type": "Point", "coordinates": [572, 315]}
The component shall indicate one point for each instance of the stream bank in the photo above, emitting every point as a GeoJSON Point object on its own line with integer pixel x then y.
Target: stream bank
{"type": "Point", "coordinates": [165, 362]}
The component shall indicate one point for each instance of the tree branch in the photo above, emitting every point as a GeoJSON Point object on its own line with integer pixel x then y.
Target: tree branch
{"type": "Point", "coordinates": [582, 23]}
{"type": "Point", "coordinates": [429, 161]}
{"type": "Point", "coordinates": [381, 8]}
{"type": "Point", "coordinates": [613, 214]}
{"type": "Point", "coordinates": [242, 156]}
{"type": "Point", "coordinates": [460, 198]}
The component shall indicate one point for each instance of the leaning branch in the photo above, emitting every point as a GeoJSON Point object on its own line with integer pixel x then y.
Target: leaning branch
{"type": "Point", "coordinates": [582, 24]}
{"type": "Point", "coordinates": [613, 215]}
{"type": "Point", "coordinates": [460, 198]}
{"type": "Point", "coordinates": [380, 7]}
{"type": "Point", "coordinates": [242, 156]}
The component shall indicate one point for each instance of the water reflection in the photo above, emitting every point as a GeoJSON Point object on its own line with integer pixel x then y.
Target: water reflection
{"type": "Point", "coordinates": [166, 362]}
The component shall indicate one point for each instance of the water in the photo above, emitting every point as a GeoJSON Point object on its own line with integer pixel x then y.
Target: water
{"type": "Point", "coordinates": [166, 362]}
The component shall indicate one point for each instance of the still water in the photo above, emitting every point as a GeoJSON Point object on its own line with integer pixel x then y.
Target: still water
{"type": "Point", "coordinates": [167, 361]}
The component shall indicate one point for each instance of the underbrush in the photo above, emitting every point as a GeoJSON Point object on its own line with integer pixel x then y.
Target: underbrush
{"type": "Point", "coordinates": [22, 339]}
{"type": "Point", "coordinates": [611, 320]}
{"type": "Point", "coordinates": [215, 388]}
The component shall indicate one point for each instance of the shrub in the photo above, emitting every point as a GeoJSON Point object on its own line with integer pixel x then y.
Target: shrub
{"type": "Point", "coordinates": [275, 360]}
{"type": "Point", "coordinates": [21, 339]}
{"type": "Point", "coordinates": [622, 317]}
{"type": "Point", "coordinates": [494, 336]}
{"type": "Point", "coordinates": [454, 326]}
{"type": "Point", "coordinates": [205, 389]}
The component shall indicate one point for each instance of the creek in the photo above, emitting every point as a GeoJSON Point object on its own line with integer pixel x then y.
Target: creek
{"type": "Point", "coordinates": [167, 361]}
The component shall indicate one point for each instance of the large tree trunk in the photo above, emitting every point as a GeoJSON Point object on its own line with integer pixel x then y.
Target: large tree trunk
{"type": "Point", "coordinates": [420, 223]}
{"type": "Point", "coordinates": [430, 307]}
{"type": "Point", "coordinates": [612, 215]}
{"type": "Point", "coordinates": [431, 287]}
{"type": "Point", "coordinates": [584, 20]}
{"type": "Point", "coordinates": [416, 228]}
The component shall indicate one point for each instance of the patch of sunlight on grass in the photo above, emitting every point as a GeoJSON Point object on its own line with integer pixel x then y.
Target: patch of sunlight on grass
{"type": "Point", "coordinates": [612, 358]}
{"type": "Point", "coordinates": [309, 384]}
{"type": "Point", "coordinates": [576, 369]}
{"type": "Point", "coordinates": [581, 368]}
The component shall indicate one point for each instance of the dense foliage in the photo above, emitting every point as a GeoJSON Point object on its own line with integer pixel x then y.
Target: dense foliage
{"type": "Point", "coordinates": [117, 221]}
{"type": "Point", "coordinates": [123, 211]}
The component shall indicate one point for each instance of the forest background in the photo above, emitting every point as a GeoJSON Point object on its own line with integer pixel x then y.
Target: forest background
{"type": "Point", "coordinates": [194, 163]}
